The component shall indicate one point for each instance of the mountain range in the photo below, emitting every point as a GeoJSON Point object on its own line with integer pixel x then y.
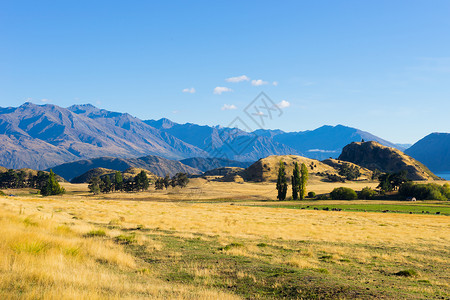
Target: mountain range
{"type": "Point", "coordinates": [433, 151]}
{"type": "Point", "coordinates": [44, 136]}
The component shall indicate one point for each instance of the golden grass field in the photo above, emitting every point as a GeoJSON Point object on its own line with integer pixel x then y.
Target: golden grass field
{"type": "Point", "coordinates": [196, 243]}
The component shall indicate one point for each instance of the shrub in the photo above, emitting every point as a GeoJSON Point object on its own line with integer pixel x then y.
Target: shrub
{"type": "Point", "coordinates": [96, 233]}
{"type": "Point", "coordinates": [343, 193]}
{"type": "Point", "coordinates": [2, 194]}
{"type": "Point", "coordinates": [311, 194]}
{"type": "Point", "coordinates": [367, 193]}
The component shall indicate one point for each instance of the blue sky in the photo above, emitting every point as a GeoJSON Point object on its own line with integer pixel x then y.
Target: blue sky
{"type": "Point", "coordinates": [381, 66]}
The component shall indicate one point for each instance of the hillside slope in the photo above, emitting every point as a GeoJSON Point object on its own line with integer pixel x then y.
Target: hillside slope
{"type": "Point", "coordinates": [266, 169]}
{"type": "Point", "coordinates": [373, 155]}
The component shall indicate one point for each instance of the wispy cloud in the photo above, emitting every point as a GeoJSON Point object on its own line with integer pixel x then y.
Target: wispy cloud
{"type": "Point", "coordinates": [284, 104]}
{"type": "Point", "coordinates": [189, 90]}
{"type": "Point", "coordinates": [45, 100]}
{"type": "Point", "coordinates": [238, 79]}
{"type": "Point", "coordinates": [221, 89]}
{"type": "Point", "coordinates": [228, 107]}
{"type": "Point", "coordinates": [258, 82]}
{"type": "Point", "coordinates": [275, 83]}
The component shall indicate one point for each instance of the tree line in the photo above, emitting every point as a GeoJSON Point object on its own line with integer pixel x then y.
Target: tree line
{"type": "Point", "coordinates": [299, 180]}
{"type": "Point", "coordinates": [140, 182]}
{"type": "Point", "coordinates": [45, 182]}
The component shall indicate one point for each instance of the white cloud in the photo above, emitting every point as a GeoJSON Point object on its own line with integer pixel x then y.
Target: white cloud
{"type": "Point", "coordinates": [283, 104]}
{"type": "Point", "coordinates": [228, 107]}
{"type": "Point", "coordinates": [259, 113]}
{"type": "Point", "coordinates": [45, 100]}
{"type": "Point", "coordinates": [322, 151]}
{"type": "Point", "coordinates": [275, 83]}
{"type": "Point", "coordinates": [258, 82]}
{"type": "Point", "coordinates": [238, 78]}
{"type": "Point", "coordinates": [221, 89]}
{"type": "Point", "coordinates": [189, 90]}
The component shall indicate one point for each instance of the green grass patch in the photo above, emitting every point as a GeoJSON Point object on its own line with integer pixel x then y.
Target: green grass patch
{"type": "Point", "coordinates": [96, 233]}
{"type": "Point", "coordinates": [443, 209]}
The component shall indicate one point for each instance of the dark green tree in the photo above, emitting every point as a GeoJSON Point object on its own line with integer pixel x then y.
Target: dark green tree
{"type": "Point", "coordinates": [21, 179]}
{"type": "Point", "coordinates": [166, 181]}
{"type": "Point", "coordinates": [94, 185]}
{"type": "Point", "coordinates": [181, 179]}
{"type": "Point", "coordinates": [281, 182]}
{"type": "Point", "coordinates": [52, 186]}
{"type": "Point", "coordinates": [303, 181]}
{"type": "Point", "coordinates": [159, 184]}
{"type": "Point", "coordinates": [295, 180]}
{"type": "Point", "coordinates": [118, 181]}
{"type": "Point", "coordinates": [141, 181]}
{"type": "Point", "coordinates": [106, 185]}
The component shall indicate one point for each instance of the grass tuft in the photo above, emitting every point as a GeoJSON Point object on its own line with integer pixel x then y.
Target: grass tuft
{"type": "Point", "coordinates": [96, 233]}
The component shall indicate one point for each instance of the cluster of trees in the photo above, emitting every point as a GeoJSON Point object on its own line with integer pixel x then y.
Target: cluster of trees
{"type": "Point", "coordinates": [13, 179]}
{"type": "Point", "coordinates": [299, 179]}
{"type": "Point", "coordinates": [348, 171]}
{"type": "Point", "coordinates": [425, 191]}
{"type": "Point", "coordinates": [392, 181]}
{"type": "Point", "coordinates": [180, 179]}
{"type": "Point", "coordinates": [140, 182]}
{"type": "Point", "coordinates": [46, 183]}
{"type": "Point", "coordinates": [106, 184]}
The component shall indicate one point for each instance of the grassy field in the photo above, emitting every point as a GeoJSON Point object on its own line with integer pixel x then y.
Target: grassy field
{"type": "Point", "coordinates": [185, 244]}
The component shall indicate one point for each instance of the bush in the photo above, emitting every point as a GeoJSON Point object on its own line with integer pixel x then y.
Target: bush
{"type": "Point", "coordinates": [2, 194]}
{"type": "Point", "coordinates": [311, 195]}
{"type": "Point", "coordinates": [367, 193]}
{"type": "Point", "coordinates": [343, 193]}
{"type": "Point", "coordinates": [96, 233]}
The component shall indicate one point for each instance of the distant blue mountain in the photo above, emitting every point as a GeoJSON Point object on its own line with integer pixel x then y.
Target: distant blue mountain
{"type": "Point", "coordinates": [321, 143]}
{"type": "Point", "coordinates": [433, 151]}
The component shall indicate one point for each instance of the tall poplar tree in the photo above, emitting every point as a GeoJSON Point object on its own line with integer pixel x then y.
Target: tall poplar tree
{"type": "Point", "coordinates": [281, 182]}
{"type": "Point", "coordinates": [303, 181]}
{"type": "Point", "coordinates": [295, 181]}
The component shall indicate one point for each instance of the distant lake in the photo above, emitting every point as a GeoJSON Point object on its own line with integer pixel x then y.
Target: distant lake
{"type": "Point", "coordinates": [445, 175]}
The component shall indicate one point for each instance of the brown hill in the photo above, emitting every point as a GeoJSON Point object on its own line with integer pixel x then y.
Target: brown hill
{"type": "Point", "coordinates": [223, 171]}
{"type": "Point", "coordinates": [132, 172]}
{"type": "Point", "coordinates": [99, 172]}
{"type": "Point", "coordinates": [266, 169]}
{"type": "Point", "coordinates": [336, 164]}
{"type": "Point", "coordinates": [373, 155]}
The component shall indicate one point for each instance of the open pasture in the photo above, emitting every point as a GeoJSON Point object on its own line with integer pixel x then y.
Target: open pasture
{"type": "Point", "coordinates": [196, 246]}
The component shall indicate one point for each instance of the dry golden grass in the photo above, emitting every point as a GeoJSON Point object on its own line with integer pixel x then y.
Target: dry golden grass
{"type": "Point", "coordinates": [46, 253]}
{"type": "Point", "coordinates": [46, 259]}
